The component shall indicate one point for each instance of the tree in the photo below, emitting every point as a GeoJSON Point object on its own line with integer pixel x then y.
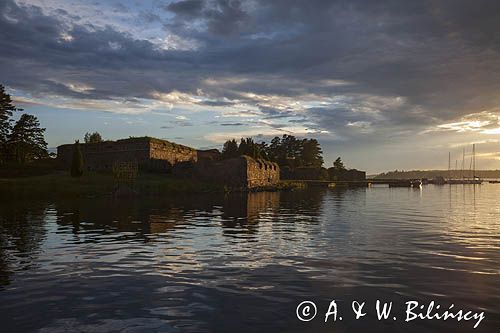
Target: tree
{"type": "Point", "coordinates": [7, 108]}
{"type": "Point", "coordinates": [291, 146]}
{"type": "Point", "coordinates": [261, 149]}
{"type": "Point", "coordinates": [274, 151]}
{"type": "Point", "coordinates": [230, 149]}
{"type": "Point", "coordinates": [338, 164]}
{"type": "Point", "coordinates": [26, 140]}
{"type": "Point", "coordinates": [288, 151]}
{"type": "Point", "coordinates": [311, 154]}
{"type": "Point", "coordinates": [77, 162]}
{"type": "Point", "coordinates": [249, 147]}
{"type": "Point", "coordinates": [244, 148]}
{"type": "Point", "coordinates": [92, 137]}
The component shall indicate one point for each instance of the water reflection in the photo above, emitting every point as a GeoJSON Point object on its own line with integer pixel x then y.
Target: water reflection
{"type": "Point", "coordinates": [242, 211]}
{"type": "Point", "coordinates": [140, 217]}
{"type": "Point", "coordinates": [22, 231]}
{"type": "Point", "coordinates": [242, 262]}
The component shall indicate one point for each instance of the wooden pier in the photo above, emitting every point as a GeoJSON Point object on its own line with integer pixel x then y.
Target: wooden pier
{"type": "Point", "coordinates": [356, 183]}
{"type": "Point", "coordinates": [369, 182]}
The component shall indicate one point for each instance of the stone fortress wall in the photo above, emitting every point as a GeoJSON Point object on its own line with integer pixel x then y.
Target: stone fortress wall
{"type": "Point", "coordinates": [101, 156]}
{"type": "Point", "coordinates": [150, 153]}
{"type": "Point", "coordinates": [239, 172]}
{"type": "Point", "coordinates": [261, 172]}
{"type": "Point", "coordinates": [171, 152]}
{"type": "Point", "coordinates": [153, 154]}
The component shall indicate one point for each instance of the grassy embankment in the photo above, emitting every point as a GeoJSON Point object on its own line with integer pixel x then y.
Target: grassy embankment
{"type": "Point", "coordinates": [42, 180]}
{"type": "Point", "coordinates": [60, 184]}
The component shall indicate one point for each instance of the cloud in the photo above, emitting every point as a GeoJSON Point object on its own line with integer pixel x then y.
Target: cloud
{"type": "Point", "coordinates": [361, 126]}
{"type": "Point", "coordinates": [259, 132]}
{"type": "Point", "coordinates": [231, 124]}
{"type": "Point", "coordinates": [186, 7]}
{"type": "Point", "coordinates": [485, 122]}
{"type": "Point", "coordinates": [179, 121]}
{"type": "Point", "coordinates": [363, 71]}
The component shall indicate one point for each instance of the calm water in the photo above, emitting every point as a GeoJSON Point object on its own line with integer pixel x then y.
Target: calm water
{"type": "Point", "coordinates": [243, 263]}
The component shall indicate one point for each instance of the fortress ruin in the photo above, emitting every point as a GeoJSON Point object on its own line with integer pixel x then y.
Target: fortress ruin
{"type": "Point", "coordinates": [238, 172]}
{"type": "Point", "coordinates": [151, 154]}
{"type": "Point", "coordinates": [158, 155]}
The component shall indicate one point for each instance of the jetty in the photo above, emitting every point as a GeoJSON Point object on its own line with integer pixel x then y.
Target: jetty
{"type": "Point", "coordinates": [361, 183]}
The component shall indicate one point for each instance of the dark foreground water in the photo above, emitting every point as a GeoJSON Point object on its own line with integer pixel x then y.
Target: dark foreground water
{"type": "Point", "coordinates": [243, 263]}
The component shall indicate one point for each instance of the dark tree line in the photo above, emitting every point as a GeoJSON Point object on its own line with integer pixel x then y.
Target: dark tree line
{"type": "Point", "coordinates": [22, 142]}
{"type": "Point", "coordinates": [287, 151]}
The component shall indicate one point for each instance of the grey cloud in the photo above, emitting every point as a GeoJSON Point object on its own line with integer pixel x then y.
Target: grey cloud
{"type": "Point", "coordinates": [120, 8]}
{"type": "Point", "coordinates": [177, 123]}
{"type": "Point", "coordinates": [297, 121]}
{"type": "Point", "coordinates": [149, 17]}
{"type": "Point", "coordinates": [225, 17]}
{"type": "Point", "coordinates": [186, 7]}
{"type": "Point", "coordinates": [231, 124]}
{"type": "Point", "coordinates": [216, 103]}
{"type": "Point", "coordinates": [442, 58]}
{"type": "Point", "coordinates": [222, 17]}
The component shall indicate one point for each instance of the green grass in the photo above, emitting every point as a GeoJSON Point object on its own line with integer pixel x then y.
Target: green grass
{"type": "Point", "coordinates": [291, 185]}
{"type": "Point", "coordinates": [95, 184]}
{"type": "Point", "coordinates": [285, 185]}
{"type": "Point", "coordinates": [59, 184]}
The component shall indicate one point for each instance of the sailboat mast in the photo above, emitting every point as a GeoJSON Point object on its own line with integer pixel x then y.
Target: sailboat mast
{"type": "Point", "coordinates": [463, 163]}
{"type": "Point", "coordinates": [449, 164]}
{"type": "Point", "coordinates": [470, 165]}
{"type": "Point", "coordinates": [474, 161]}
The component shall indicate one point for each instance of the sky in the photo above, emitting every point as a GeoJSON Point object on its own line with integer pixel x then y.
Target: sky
{"type": "Point", "coordinates": [384, 84]}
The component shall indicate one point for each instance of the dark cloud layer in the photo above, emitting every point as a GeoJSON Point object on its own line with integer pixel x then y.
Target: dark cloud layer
{"type": "Point", "coordinates": [186, 7]}
{"type": "Point", "coordinates": [398, 64]}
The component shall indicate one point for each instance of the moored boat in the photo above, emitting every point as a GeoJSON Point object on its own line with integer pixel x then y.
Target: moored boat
{"type": "Point", "coordinates": [416, 183]}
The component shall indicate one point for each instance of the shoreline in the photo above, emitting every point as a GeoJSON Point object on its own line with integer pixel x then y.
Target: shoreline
{"type": "Point", "coordinates": [61, 184]}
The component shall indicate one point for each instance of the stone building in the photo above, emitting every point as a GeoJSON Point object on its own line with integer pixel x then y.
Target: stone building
{"type": "Point", "coordinates": [260, 172]}
{"type": "Point", "coordinates": [160, 155]}
{"type": "Point", "coordinates": [210, 154]}
{"type": "Point", "coordinates": [238, 172]}
{"type": "Point", "coordinates": [150, 153]}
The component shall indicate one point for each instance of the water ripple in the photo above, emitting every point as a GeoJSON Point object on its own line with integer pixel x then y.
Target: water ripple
{"type": "Point", "coordinates": [216, 264]}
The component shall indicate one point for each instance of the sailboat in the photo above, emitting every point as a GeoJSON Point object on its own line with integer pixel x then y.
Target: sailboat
{"type": "Point", "coordinates": [475, 179]}
{"type": "Point", "coordinates": [472, 170]}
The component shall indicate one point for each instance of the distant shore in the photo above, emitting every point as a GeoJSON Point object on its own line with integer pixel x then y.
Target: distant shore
{"type": "Point", "coordinates": [429, 174]}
